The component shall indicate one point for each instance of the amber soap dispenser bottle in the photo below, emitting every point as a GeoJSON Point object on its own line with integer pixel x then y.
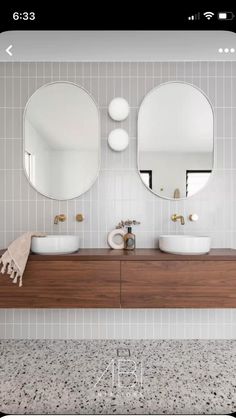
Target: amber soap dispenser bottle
{"type": "Point", "coordinates": [129, 240]}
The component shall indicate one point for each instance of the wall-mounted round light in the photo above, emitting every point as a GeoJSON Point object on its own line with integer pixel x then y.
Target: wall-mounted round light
{"type": "Point", "coordinates": [118, 109]}
{"type": "Point", "coordinates": [226, 50]}
{"type": "Point", "coordinates": [118, 139]}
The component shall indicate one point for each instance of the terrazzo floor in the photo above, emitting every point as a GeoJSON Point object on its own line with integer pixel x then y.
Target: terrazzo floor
{"type": "Point", "coordinates": [117, 377]}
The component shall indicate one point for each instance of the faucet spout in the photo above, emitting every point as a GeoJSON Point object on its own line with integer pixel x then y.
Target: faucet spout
{"type": "Point", "coordinates": [176, 217]}
{"type": "Point", "coordinates": [60, 217]}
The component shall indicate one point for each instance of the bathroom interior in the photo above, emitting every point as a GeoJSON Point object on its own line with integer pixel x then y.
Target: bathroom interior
{"type": "Point", "coordinates": [118, 167]}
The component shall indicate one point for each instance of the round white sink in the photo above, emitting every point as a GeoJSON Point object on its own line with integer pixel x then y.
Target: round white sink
{"type": "Point", "coordinates": [185, 245]}
{"type": "Point", "coordinates": [55, 245]}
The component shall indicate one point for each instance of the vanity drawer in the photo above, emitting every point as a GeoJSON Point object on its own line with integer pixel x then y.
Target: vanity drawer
{"type": "Point", "coordinates": [178, 284]}
{"type": "Point", "coordinates": [64, 284]}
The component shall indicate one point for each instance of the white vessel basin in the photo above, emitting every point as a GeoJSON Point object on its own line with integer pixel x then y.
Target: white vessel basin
{"type": "Point", "coordinates": [55, 245]}
{"type": "Point", "coordinates": [185, 245]}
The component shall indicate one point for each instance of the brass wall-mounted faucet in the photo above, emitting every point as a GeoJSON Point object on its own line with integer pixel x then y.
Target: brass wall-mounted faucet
{"type": "Point", "coordinates": [60, 217]}
{"type": "Point", "coordinates": [176, 217]}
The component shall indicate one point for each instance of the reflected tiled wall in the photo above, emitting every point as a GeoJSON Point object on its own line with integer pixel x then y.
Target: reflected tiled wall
{"type": "Point", "coordinates": [118, 192]}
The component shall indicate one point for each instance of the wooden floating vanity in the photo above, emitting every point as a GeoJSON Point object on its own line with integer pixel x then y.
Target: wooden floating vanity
{"type": "Point", "coordinates": [143, 278]}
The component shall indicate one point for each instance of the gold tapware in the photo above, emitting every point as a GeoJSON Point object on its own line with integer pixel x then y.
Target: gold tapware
{"type": "Point", "coordinates": [59, 218]}
{"type": "Point", "coordinates": [176, 217]}
{"type": "Point", "coordinates": [193, 217]}
{"type": "Point", "coordinates": [79, 217]}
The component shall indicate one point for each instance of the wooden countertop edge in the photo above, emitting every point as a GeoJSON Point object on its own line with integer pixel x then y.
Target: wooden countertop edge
{"type": "Point", "coordinates": [134, 255]}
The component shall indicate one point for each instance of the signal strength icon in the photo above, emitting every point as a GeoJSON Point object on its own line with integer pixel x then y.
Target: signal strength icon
{"type": "Point", "coordinates": [208, 15]}
{"type": "Point", "coordinates": [196, 16]}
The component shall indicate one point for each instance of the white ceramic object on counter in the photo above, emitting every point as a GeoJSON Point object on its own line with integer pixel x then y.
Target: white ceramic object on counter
{"type": "Point", "coordinates": [55, 245]}
{"type": "Point", "coordinates": [185, 245]}
{"type": "Point", "coordinates": [113, 235]}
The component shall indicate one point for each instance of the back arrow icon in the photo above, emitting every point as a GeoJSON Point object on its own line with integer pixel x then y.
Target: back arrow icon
{"type": "Point", "coordinates": [8, 50]}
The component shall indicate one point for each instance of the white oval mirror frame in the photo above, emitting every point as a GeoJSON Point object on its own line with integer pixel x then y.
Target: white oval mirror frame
{"type": "Point", "coordinates": [62, 141]}
{"type": "Point", "coordinates": [175, 153]}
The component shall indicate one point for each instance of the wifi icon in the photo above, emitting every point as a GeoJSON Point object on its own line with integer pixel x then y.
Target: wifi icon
{"type": "Point", "coordinates": [208, 15]}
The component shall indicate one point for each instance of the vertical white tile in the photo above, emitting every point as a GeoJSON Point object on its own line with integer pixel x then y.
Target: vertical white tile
{"type": "Point", "coordinates": [118, 193]}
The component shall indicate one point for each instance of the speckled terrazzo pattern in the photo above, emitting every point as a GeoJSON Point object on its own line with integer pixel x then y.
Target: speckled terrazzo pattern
{"type": "Point", "coordinates": [87, 377]}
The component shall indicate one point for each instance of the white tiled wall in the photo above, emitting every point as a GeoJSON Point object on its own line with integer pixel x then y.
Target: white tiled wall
{"type": "Point", "coordinates": [118, 193]}
{"type": "Point", "coordinates": [118, 324]}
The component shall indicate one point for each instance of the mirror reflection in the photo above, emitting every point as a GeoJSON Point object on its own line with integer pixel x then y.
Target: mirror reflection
{"type": "Point", "coordinates": [175, 140]}
{"type": "Point", "coordinates": [61, 140]}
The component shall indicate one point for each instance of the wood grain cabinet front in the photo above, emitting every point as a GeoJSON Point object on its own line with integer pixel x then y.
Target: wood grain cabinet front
{"type": "Point", "coordinates": [143, 278]}
{"type": "Point", "coordinates": [64, 284]}
{"type": "Point", "coordinates": [178, 284]}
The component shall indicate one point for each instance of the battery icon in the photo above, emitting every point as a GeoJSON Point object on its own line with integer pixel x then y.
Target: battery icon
{"type": "Point", "coordinates": [225, 16]}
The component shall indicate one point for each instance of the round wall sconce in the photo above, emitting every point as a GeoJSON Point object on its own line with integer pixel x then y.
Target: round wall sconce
{"type": "Point", "coordinates": [118, 139]}
{"type": "Point", "coordinates": [118, 109]}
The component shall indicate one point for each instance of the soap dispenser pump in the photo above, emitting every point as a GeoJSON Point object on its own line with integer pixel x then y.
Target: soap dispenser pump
{"type": "Point", "coordinates": [129, 240]}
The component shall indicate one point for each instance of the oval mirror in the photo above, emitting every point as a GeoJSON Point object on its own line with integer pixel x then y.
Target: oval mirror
{"type": "Point", "coordinates": [61, 140]}
{"type": "Point", "coordinates": [175, 140]}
